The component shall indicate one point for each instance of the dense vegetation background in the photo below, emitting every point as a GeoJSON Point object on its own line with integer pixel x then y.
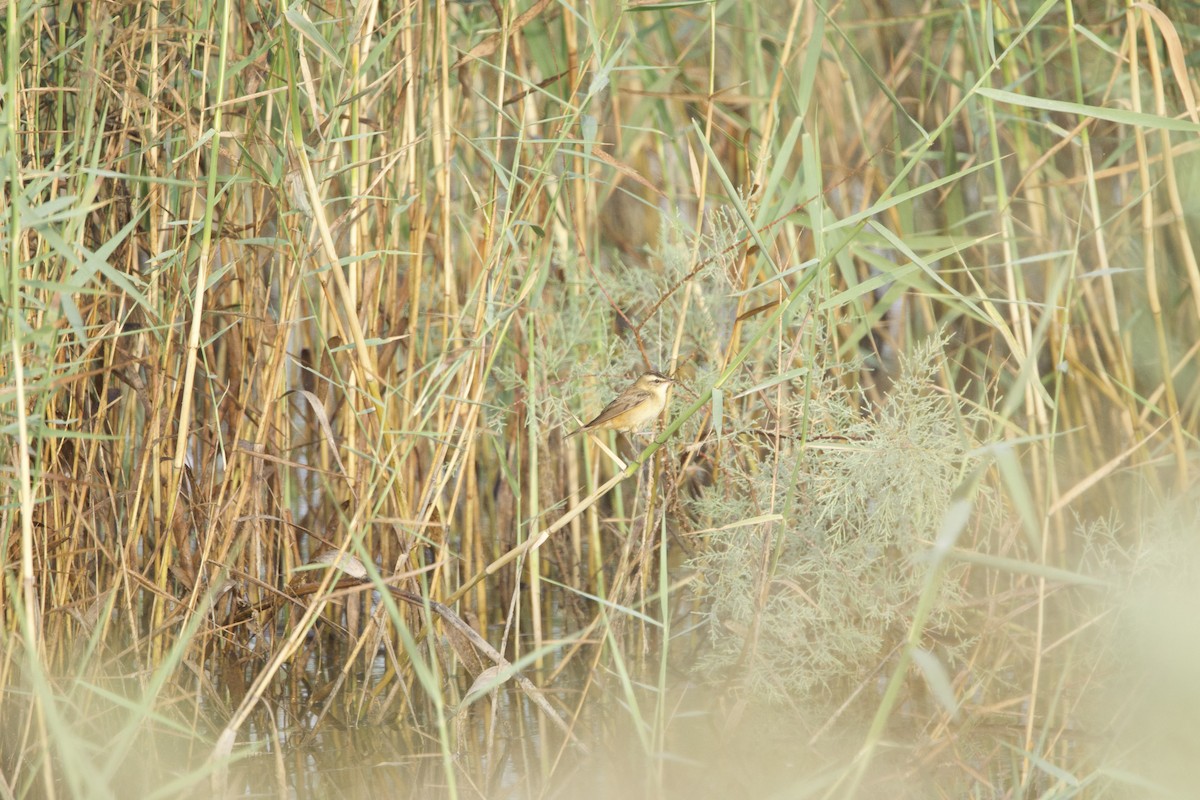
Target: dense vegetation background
{"type": "Point", "coordinates": [301, 300]}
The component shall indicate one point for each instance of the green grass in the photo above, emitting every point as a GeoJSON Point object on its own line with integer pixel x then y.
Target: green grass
{"type": "Point", "coordinates": [285, 281]}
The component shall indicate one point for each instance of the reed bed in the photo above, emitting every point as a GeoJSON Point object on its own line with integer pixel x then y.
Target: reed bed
{"type": "Point", "coordinates": [302, 300]}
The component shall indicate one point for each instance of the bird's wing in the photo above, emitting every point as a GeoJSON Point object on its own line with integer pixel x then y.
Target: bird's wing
{"type": "Point", "coordinates": [619, 406]}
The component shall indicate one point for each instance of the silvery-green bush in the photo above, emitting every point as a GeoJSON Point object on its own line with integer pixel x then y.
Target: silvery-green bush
{"type": "Point", "coordinates": [821, 593]}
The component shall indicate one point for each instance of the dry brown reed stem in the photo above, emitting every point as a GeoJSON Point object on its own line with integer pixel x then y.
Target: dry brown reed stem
{"type": "Point", "coordinates": [482, 645]}
{"type": "Point", "coordinates": [535, 542]}
{"type": "Point", "coordinates": [350, 586]}
{"type": "Point", "coordinates": [1148, 237]}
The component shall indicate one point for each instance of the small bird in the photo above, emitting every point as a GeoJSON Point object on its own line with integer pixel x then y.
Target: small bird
{"type": "Point", "coordinates": [639, 404]}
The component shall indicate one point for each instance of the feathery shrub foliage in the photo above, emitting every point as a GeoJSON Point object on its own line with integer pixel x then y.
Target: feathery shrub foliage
{"type": "Point", "coordinates": [816, 595]}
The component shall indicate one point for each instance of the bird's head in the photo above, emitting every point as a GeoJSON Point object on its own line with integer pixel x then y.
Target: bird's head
{"type": "Point", "coordinates": [653, 382]}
